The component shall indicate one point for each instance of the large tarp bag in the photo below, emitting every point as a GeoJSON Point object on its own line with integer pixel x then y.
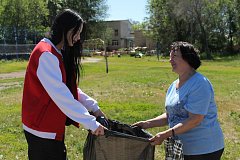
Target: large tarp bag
{"type": "Point", "coordinates": [120, 142]}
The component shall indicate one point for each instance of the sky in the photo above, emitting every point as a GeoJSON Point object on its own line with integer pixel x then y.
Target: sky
{"type": "Point", "coordinates": [127, 9]}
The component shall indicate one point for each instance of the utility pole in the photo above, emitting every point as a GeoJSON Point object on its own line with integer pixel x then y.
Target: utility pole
{"type": "Point", "coordinates": [158, 49]}
{"type": "Point", "coordinates": [105, 53]}
{"type": "Point", "coordinates": [16, 37]}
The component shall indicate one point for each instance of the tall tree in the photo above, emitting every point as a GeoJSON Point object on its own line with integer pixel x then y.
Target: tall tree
{"type": "Point", "coordinates": [237, 4]}
{"type": "Point", "coordinates": [230, 13]}
{"type": "Point", "coordinates": [36, 18]}
{"type": "Point", "coordinates": [54, 6]}
{"type": "Point", "coordinates": [159, 23]}
{"type": "Point", "coordinates": [21, 16]}
{"type": "Point", "coordinates": [185, 20]}
{"type": "Point", "coordinates": [92, 11]}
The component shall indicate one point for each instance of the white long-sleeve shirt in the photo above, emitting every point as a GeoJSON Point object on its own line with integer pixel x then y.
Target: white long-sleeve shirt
{"type": "Point", "coordinates": [50, 76]}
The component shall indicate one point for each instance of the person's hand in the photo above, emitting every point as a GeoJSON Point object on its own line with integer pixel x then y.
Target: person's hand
{"type": "Point", "coordinates": [158, 139]}
{"type": "Point", "coordinates": [99, 113]}
{"type": "Point", "coordinates": [99, 131]}
{"type": "Point", "coordinates": [142, 124]}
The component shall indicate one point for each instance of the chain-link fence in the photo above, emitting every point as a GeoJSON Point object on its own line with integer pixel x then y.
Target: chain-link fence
{"type": "Point", "coordinates": [17, 42]}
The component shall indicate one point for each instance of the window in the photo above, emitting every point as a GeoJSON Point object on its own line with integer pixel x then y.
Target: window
{"type": "Point", "coordinates": [114, 42]}
{"type": "Point", "coordinates": [115, 32]}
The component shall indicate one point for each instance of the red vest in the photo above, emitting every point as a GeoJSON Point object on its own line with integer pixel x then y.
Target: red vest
{"type": "Point", "coordinates": [39, 112]}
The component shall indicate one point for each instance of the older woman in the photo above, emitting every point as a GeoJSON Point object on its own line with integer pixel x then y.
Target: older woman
{"type": "Point", "coordinates": [191, 111]}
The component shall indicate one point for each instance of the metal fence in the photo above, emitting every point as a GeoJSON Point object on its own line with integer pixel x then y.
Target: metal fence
{"type": "Point", "coordinates": [15, 51]}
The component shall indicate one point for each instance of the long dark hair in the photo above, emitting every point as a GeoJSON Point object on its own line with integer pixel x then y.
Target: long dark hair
{"type": "Point", "coordinates": [64, 22]}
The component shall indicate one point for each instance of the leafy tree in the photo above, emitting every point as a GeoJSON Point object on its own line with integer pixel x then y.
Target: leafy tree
{"type": "Point", "coordinates": [22, 16]}
{"type": "Point", "coordinates": [159, 26]}
{"type": "Point", "coordinates": [230, 13]}
{"type": "Point", "coordinates": [209, 24]}
{"type": "Point", "coordinates": [237, 6]}
{"type": "Point", "coordinates": [92, 11]}
{"type": "Point", "coordinates": [36, 18]}
{"type": "Point", "coordinates": [54, 7]}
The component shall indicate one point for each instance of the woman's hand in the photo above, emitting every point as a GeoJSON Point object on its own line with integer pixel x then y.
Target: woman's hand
{"type": "Point", "coordinates": [158, 121]}
{"type": "Point", "coordinates": [99, 113]}
{"type": "Point", "coordinates": [142, 124]}
{"type": "Point", "coordinates": [158, 138]}
{"type": "Point", "coordinates": [99, 131]}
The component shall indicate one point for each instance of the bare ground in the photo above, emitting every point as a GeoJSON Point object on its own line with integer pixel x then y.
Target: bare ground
{"type": "Point", "coordinates": [21, 74]}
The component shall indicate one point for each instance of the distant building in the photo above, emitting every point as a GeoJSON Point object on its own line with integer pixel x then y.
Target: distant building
{"type": "Point", "coordinates": [124, 37]}
{"type": "Point", "coordinates": [140, 40]}
{"type": "Point", "coordinates": [122, 34]}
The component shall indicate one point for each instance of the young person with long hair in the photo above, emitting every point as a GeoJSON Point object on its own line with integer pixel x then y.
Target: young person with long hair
{"type": "Point", "coordinates": [51, 98]}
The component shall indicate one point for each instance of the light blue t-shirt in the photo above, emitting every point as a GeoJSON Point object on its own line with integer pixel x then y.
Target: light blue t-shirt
{"type": "Point", "coordinates": [196, 96]}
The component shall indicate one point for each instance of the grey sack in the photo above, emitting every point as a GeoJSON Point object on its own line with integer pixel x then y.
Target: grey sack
{"type": "Point", "coordinates": [120, 142]}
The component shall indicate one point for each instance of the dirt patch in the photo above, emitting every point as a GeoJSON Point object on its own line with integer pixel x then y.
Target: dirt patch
{"type": "Point", "coordinates": [91, 60]}
{"type": "Point", "coordinates": [12, 75]}
{"type": "Point", "coordinates": [22, 73]}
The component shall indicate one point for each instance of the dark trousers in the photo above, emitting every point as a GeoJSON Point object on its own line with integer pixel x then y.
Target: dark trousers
{"type": "Point", "coordinates": [210, 156]}
{"type": "Point", "coordinates": [45, 149]}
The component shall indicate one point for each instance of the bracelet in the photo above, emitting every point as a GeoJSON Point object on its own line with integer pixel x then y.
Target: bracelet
{"type": "Point", "coordinates": [173, 133]}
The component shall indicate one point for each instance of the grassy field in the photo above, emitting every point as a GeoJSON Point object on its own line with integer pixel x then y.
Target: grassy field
{"type": "Point", "coordinates": [133, 90]}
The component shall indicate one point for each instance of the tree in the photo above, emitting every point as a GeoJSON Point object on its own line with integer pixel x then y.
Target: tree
{"type": "Point", "coordinates": [22, 16]}
{"type": "Point", "coordinates": [33, 18]}
{"type": "Point", "coordinates": [231, 17]}
{"type": "Point", "coordinates": [54, 7]}
{"type": "Point", "coordinates": [92, 11]}
{"type": "Point", "coordinates": [37, 14]}
{"type": "Point", "coordinates": [197, 21]}
{"type": "Point", "coordinates": [159, 26]}
{"type": "Point", "coordinates": [13, 18]}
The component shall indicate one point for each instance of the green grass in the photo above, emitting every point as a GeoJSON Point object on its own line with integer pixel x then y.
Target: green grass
{"type": "Point", "coordinates": [133, 90]}
{"type": "Point", "coordinates": [12, 66]}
